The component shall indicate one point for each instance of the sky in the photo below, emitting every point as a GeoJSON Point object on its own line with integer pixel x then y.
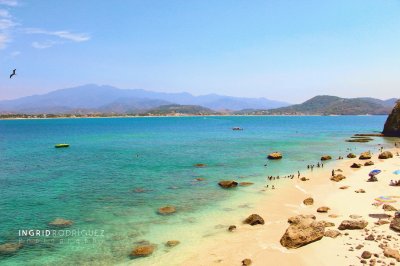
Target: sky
{"type": "Point", "coordinates": [286, 50]}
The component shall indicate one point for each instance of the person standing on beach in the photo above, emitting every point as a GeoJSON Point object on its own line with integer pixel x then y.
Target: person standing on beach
{"type": "Point", "coordinates": [333, 172]}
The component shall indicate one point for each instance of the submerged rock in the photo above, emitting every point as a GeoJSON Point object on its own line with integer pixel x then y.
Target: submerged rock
{"type": "Point", "coordinates": [142, 251]}
{"type": "Point", "coordinates": [303, 230]}
{"type": "Point", "coordinates": [353, 224]}
{"type": "Point", "coordinates": [385, 155]}
{"type": "Point", "coordinates": [275, 156]}
{"type": "Point", "coordinates": [308, 201]}
{"type": "Point", "coordinates": [166, 210]}
{"type": "Point", "coordinates": [10, 248]}
{"type": "Point", "coordinates": [60, 222]}
{"type": "Point", "coordinates": [365, 155]}
{"type": "Point", "coordinates": [172, 243]}
{"type": "Point", "coordinates": [245, 184]}
{"type": "Point", "coordinates": [392, 124]}
{"type": "Point", "coordinates": [228, 184]}
{"type": "Point", "coordinates": [200, 165]}
{"type": "Point", "coordinates": [254, 219]}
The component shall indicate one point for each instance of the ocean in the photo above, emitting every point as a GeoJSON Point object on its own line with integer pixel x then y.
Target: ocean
{"type": "Point", "coordinates": [118, 171]}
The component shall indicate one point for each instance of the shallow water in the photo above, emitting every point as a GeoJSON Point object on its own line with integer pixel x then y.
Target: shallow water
{"type": "Point", "coordinates": [118, 171]}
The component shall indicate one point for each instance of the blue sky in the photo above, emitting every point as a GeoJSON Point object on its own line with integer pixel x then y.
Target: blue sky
{"type": "Point", "coordinates": [286, 50]}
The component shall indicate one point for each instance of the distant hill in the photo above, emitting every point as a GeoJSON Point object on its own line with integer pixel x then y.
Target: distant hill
{"type": "Point", "coordinates": [332, 105]}
{"type": "Point", "coordinates": [94, 98]}
{"type": "Point", "coordinates": [180, 109]}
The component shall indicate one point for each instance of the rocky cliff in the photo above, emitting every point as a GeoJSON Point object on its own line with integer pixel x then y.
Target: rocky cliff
{"type": "Point", "coordinates": [392, 125]}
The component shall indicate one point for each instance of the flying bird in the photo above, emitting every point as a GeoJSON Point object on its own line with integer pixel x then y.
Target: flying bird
{"type": "Point", "coordinates": [13, 73]}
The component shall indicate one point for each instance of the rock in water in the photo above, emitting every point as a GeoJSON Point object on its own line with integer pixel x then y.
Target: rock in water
{"type": "Point", "coordinates": [275, 156]}
{"type": "Point", "coordinates": [172, 243]}
{"type": "Point", "coordinates": [308, 201]}
{"type": "Point", "coordinates": [254, 219]}
{"type": "Point", "coordinates": [9, 248]}
{"type": "Point", "coordinates": [142, 251]}
{"type": "Point", "coordinates": [353, 224]}
{"type": "Point", "coordinates": [385, 155]}
{"type": "Point", "coordinates": [228, 183]}
{"type": "Point", "coordinates": [392, 125]}
{"type": "Point", "coordinates": [303, 230]}
{"type": "Point", "coordinates": [351, 155]}
{"type": "Point", "coordinates": [326, 158]}
{"type": "Point", "coordinates": [59, 222]}
{"type": "Point", "coordinates": [166, 210]}
{"type": "Point", "coordinates": [365, 156]}
{"type": "Point", "coordinates": [245, 184]}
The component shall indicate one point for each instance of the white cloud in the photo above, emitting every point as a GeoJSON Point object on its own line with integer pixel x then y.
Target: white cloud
{"type": "Point", "coordinates": [43, 45]}
{"type": "Point", "coordinates": [4, 13]}
{"type": "Point", "coordinates": [9, 2]}
{"type": "Point", "coordinates": [6, 24]}
{"type": "Point", "coordinates": [75, 37]}
{"type": "Point", "coordinates": [4, 39]}
{"type": "Point", "coordinates": [15, 53]}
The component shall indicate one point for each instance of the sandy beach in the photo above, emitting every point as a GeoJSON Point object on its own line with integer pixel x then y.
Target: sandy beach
{"type": "Point", "coordinates": [261, 243]}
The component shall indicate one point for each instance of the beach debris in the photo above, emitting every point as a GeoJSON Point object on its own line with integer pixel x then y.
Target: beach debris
{"type": "Point", "coordinates": [200, 165]}
{"type": "Point", "coordinates": [142, 250]}
{"type": "Point", "coordinates": [232, 228]}
{"type": "Point", "coordinates": [10, 248]}
{"type": "Point", "coordinates": [388, 208]}
{"type": "Point", "coordinates": [385, 155]}
{"type": "Point", "coordinates": [326, 158]}
{"type": "Point", "coordinates": [245, 184]}
{"type": "Point", "coordinates": [60, 222]}
{"type": "Point", "coordinates": [308, 201]}
{"type": "Point", "coordinates": [337, 178]}
{"type": "Point", "coordinates": [246, 262]}
{"type": "Point", "coordinates": [366, 255]}
{"type": "Point", "coordinates": [369, 163]}
{"type": "Point", "coordinates": [323, 209]}
{"type": "Point", "coordinates": [356, 165]}
{"type": "Point", "coordinates": [395, 224]}
{"type": "Point", "coordinates": [351, 155]}
{"type": "Point", "coordinates": [360, 191]}
{"type": "Point", "coordinates": [353, 224]}
{"type": "Point", "coordinates": [365, 156]}
{"type": "Point", "coordinates": [254, 219]}
{"type": "Point", "coordinates": [303, 230]}
{"type": "Point", "coordinates": [172, 243]}
{"type": "Point", "coordinates": [275, 156]}
{"type": "Point", "coordinates": [332, 233]}
{"type": "Point", "coordinates": [391, 253]}
{"type": "Point", "coordinates": [166, 210]}
{"type": "Point", "coordinates": [228, 184]}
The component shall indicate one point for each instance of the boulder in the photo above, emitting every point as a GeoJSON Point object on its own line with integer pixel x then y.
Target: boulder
{"type": "Point", "coordinates": [369, 163]}
{"type": "Point", "coordinates": [338, 178]}
{"type": "Point", "coordinates": [59, 222]}
{"type": "Point", "coordinates": [304, 178]}
{"type": "Point", "coordinates": [245, 184]}
{"type": "Point", "coordinates": [353, 224]}
{"type": "Point", "coordinates": [327, 224]}
{"type": "Point", "coordinates": [391, 253]}
{"type": "Point", "coordinates": [303, 230]}
{"type": "Point", "coordinates": [308, 201]}
{"type": "Point", "coordinates": [326, 158]}
{"type": "Point", "coordinates": [254, 219]}
{"type": "Point", "coordinates": [385, 155]}
{"type": "Point", "coordinates": [366, 255]}
{"type": "Point", "coordinates": [392, 124]}
{"type": "Point", "coordinates": [351, 156]}
{"type": "Point", "coordinates": [365, 156]}
{"type": "Point", "coordinates": [356, 165]}
{"type": "Point", "coordinates": [166, 210]}
{"type": "Point", "coordinates": [172, 243]}
{"type": "Point", "coordinates": [323, 209]}
{"type": "Point", "coordinates": [395, 224]}
{"type": "Point", "coordinates": [228, 184]}
{"type": "Point", "coordinates": [246, 262]}
{"type": "Point", "coordinates": [142, 251]}
{"type": "Point", "coordinates": [232, 228]}
{"type": "Point", "coordinates": [275, 156]}
{"type": "Point", "coordinates": [332, 233]}
{"type": "Point", "coordinates": [10, 248]}
{"type": "Point", "coordinates": [389, 208]}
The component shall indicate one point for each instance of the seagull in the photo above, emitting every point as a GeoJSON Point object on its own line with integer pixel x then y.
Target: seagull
{"type": "Point", "coordinates": [13, 73]}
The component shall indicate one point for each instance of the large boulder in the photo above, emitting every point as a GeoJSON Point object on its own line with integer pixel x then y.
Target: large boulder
{"type": "Point", "coordinates": [142, 251]}
{"type": "Point", "coordinates": [60, 222]}
{"type": "Point", "coordinates": [9, 248]}
{"type": "Point", "coordinates": [166, 210]}
{"type": "Point", "coordinates": [303, 230]}
{"type": "Point", "coordinates": [228, 183]}
{"type": "Point", "coordinates": [254, 219]}
{"type": "Point", "coordinates": [353, 224]}
{"type": "Point", "coordinates": [365, 155]}
{"type": "Point", "coordinates": [385, 155]}
{"type": "Point", "coordinates": [337, 178]}
{"type": "Point", "coordinates": [326, 158]}
{"type": "Point", "coordinates": [392, 125]}
{"type": "Point", "coordinates": [395, 224]}
{"type": "Point", "coordinates": [275, 156]}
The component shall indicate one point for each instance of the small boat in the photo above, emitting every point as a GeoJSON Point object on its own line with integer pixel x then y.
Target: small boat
{"type": "Point", "coordinates": [62, 145]}
{"type": "Point", "coordinates": [237, 128]}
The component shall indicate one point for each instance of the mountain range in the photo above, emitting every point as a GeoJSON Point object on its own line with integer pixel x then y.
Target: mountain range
{"type": "Point", "coordinates": [94, 99]}
{"type": "Point", "coordinates": [107, 99]}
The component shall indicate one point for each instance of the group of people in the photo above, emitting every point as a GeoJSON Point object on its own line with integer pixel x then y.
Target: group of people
{"type": "Point", "coordinates": [277, 177]}
{"type": "Point", "coordinates": [395, 183]}
{"type": "Point", "coordinates": [311, 166]}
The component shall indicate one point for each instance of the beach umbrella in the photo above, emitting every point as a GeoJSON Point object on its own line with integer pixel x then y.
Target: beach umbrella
{"type": "Point", "coordinates": [374, 172]}
{"type": "Point", "coordinates": [385, 199]}
{"type": "Point", "coordinates": [397, 172]}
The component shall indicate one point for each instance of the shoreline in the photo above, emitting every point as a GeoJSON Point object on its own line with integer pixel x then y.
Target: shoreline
{"type": "Point", "coordinates": [261, 243]}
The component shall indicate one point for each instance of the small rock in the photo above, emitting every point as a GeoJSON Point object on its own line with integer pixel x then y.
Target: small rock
{"type": "Point", "coordinates": [200, 165]}
{"type": "Point", "coordinates": [369, 163]}
{"type": "Point", "coordinates": [388, 207]}
{"type": "Point", "coordinates": [254, 219]}
{"type": "Point", "coordinates": [332, 233]}
{"type": "Point", "coordinates": [172, 243]}
{"type": "Point", "coordinates": [142, 251]}
{"type": "Point", "coordinates": [308, 201]}
{"type": "Point", "coordinates": [327, 224]}
{"type": "Point", "coordinates": [353, 224]}
{"type": "Point", "coordinates": [232, 228]}
{"type": "Point", "coordinates": [366, 255]}
{"type": "Point", "coordinates": [359, 247]}
{"type": "Point", "coordinates": [246, 262]}
{"type": "Point", "coordinates": [323, 209]}
{"type": "Point", "coordinates": [363, 261]}
{"type": "Point", "coordinates": [200, 179]}
{"type": "Point", "coordinates": [228, 184]}
{"type": "Point", "coordinates": [356, 165]}
{"type": "Point", "coordinates": [370, 237]}
{"type": "Point", "coordinates": [166, 210]}
{"type": "Point", "coordinates": [304, 179]}
{"type": "Point", "coordinates": [344, 187]}
{"type": "Point", "coordinates": [355, 216]}
{"type": "Point", "coordinates": [360, 191]}
{"type": "Point", "coordinates": [59, 222]}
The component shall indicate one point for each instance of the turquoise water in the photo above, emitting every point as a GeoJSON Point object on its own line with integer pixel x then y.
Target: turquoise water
{"type": "Point", "coordinates": [95, 181]}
